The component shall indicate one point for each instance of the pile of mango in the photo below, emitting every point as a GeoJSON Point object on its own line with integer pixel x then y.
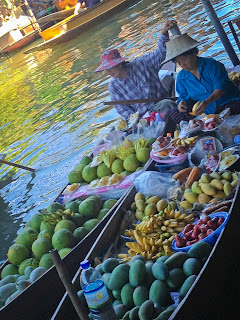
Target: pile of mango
{"type": "Point", "coordinates": [210, 188]}
{"type": "Point", "coordinates": [60, 227]}
{"type": "Point", "coordinates": [111, 166]}
{"type": "Point", "coordinates": [141, 289]}
{"type": "Point", "coordinates": [153, 236]}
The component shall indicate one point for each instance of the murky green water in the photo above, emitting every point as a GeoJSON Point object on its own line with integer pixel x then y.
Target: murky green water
{"type": "Point", "coordinates": [51, 102]}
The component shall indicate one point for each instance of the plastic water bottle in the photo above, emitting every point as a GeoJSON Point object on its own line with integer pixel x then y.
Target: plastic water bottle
{"type": "Point", "coordinates": [96, 293]}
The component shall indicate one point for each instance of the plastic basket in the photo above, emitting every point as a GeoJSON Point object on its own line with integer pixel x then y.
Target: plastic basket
{"type": "Point", "coordinates": [212, 238]}
{"type": "Point", "coordinates": [171, 168]}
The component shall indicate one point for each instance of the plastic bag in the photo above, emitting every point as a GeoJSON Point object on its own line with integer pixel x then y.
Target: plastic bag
{"type": "Point", "coordinates": [228, 130]}
{"type": "Point", "coordinates": [155, 183]}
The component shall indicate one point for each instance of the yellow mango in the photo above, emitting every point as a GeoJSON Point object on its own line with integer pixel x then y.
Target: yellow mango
{"type": "Point", "coordinates": [154, 199]}
{"type": "Point", "coordinates": [139, 196]}
{"type": "Point", "coordinates": [196, 188]}
{"type": "Point", "coordinates": [216, 183]}
{"type": "Point", "coordinates": [227, 188]}
{"type": "Point", "coordinates": [204, 198]}
{"type": "Point", "coordinates": [140, 204]}
{"type": "Point", "coordinates": [191, 197]}
{"type": "Point", "coordinates": [162, 204]}
{"type": "Point", "coordinates": [219, 195]}
{"type": "Point", "coordinates": [208, 189]}
{"type": "Point", "coordinates": [150, 209]}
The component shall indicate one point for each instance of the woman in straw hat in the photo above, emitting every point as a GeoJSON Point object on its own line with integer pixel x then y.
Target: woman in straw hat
{"type": "Point", "coordinates": [203, 80]}
{"type": "Point", "coordinates": [137, 79]}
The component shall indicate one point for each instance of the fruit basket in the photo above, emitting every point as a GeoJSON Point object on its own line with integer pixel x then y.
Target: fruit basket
{"type": "Point", "coordinates": [210, 239]}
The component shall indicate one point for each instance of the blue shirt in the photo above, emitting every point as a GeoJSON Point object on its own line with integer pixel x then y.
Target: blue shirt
{"type": "Point", "coordinates": [141, 82]}
{"type": "Point", "coordinates": [213, 75]}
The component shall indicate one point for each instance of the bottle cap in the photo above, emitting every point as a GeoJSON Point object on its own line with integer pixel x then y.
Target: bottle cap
{"type": "Point", "coordinates": [85, 264]}
{"type": "Point", "coordinates": [237, 139]}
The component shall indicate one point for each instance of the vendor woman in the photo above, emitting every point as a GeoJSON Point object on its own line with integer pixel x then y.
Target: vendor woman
{"type": "Point", "coordinates": [201, 79]}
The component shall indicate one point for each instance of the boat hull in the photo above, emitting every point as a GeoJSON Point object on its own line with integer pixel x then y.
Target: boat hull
{"type": "Point", "coordinates": [207, 298]}
{"type": "Point", "coordinates": [68, 31]}
{"type": "Point", "coordinates": [27, 39]}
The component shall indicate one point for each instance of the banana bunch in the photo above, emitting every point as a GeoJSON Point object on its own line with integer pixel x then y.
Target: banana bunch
{"type": "Point", "coordinates": [234, 76]}
{"type": "Point", "coordinates": [155, 235]}
{"type": "Point", "coordinates": [54, 218]}
{"type": "Point", "coordinates": [183, 141]}
{"type": "Point", "coordinates": [140, 143]}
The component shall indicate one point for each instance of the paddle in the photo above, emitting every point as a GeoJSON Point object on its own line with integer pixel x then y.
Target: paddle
{"type": "Point", "coordinates": [16, 165]}
{"type": "Point", "coordinates": [110, 103]}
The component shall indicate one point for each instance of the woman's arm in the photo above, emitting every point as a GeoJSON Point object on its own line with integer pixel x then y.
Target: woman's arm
{"type": "Point", "coordinates": [217, 94]}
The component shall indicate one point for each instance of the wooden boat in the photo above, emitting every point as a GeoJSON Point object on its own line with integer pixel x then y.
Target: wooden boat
{"type": "Point", "coordinates": [25, 40]}
{"type": "Point", "coordinates": [42, 297]}
{"type": "Point", "coordinates": [73, 25]}
{"type": "Point", "coordinates": [207, 298]}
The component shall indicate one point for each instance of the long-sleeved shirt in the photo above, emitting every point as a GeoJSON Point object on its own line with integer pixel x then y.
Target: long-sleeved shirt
{"type": "Point", "coordinates": [213, 75]}
{"type": "Point", "coordinates": [141, 82]}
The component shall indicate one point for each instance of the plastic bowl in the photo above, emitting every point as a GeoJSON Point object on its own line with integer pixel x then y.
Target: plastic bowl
{"type": "Point", "coordinates": [171, 168]}
{"type": "Point", "coordinates": [212, 238]}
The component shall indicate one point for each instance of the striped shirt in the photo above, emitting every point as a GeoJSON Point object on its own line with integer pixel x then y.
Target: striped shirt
{"type": "Point", "coordinates": [141, 82]}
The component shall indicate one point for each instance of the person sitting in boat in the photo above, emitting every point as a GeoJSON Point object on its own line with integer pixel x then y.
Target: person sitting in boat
{"type": "Point", "coordinates": [203, 80]}
{"type": "Point", "coordinates": [137, 79]}
{"type": "Point", "coordinates": [88, 4]}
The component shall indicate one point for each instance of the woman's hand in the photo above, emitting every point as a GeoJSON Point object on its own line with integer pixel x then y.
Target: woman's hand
{"type": "Point", "coordinates": [168, 25]}
{"type": "Point", "coordinates": [182, 106]}
{"type": "Point", "coordinates": [201, 108]}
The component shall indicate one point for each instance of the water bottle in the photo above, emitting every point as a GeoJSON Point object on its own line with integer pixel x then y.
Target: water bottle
{"type": "Point", "coordinates": [96, 293]}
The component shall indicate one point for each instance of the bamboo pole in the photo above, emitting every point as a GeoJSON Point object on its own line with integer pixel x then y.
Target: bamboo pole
{"type": "Point", "coordinates": [16, 165]}
{"type": "Point", "coordinates": [64, 276]}
{"type": "Point", "coordinates": [220, 31]}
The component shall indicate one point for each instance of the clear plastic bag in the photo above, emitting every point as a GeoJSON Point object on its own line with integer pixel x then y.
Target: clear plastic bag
{"type": "Point", "coordinates": [155, 183]}
{"type": "Point", "coordinates": [228, 130]}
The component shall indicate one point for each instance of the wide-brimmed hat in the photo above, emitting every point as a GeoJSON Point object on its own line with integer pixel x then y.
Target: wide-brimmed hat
{"type": "Point", "coordinates": [178, 46]}
{"type": "Point", "coordinates": [110, 59]}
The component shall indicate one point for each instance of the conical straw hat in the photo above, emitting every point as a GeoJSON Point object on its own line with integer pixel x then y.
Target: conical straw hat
{"type": "Point", "coordinates": [178, 46]}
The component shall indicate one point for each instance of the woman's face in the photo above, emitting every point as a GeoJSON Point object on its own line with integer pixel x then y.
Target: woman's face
{"type": "Point", "coordinates": [116, 72]}
{"type": "Point", "coordinates": [188, 62]}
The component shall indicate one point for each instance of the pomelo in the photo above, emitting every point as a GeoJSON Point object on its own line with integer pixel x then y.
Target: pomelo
{"type": "Point", "coordinates": [41, 246]}
{"type": "Point", "coordinates": [102, 213]}
{"type": "Point", "coordinates": [117, 166]}
{"type": "Point", "coordinates": [73, 205]}
{"type": "Point", "coordinates": [108, 204]}
{"type": "Point", "coordinates": [17, 253]}
{"type": "Point", "coordinates": [75, 176]}
{"type": "Point", "coordinates": [47, 226]}
{"type": "Point", "coordinates": [26, 237]}
{"type": "Point", "coordinates": [79, 167]}
{"type": "Point", "coordinates": [86, 160]}
{"type": "Point", "coordinates": [89, 174]}
{"type": "Point", "coordinates": [30, 262]}
{"type": "Point", "coordinates": [78, 219]}
{"type": "Point", "coordinates": [65, 224]}
{"type": "Point", "coordinates": [9, 269]}
{"type": "Point", "coordinates": [80, 233]}
{"type": "Point", "coordinates": [35, 222]}
{"type": "Point", "coordinates": [63, 252]}
{"type": "Point", "coordinates": [143, 154]}
{"type": "Point", "coordinates": [103, 170]}
{"type": "Point", "coordinates": [46, 261]}
{"type": "Point", "coordinates": [97, 199]}
{"type": "Point", "coordinates": [45, 234]}
{"type": "Point", "coordinates": [90, 224]}
{"type": "Point", "coordinates": [131, 163]}
{"type": "Point", "coordinates": [88, 208]}
{"type": "Point", "coordinates": [63, 238]}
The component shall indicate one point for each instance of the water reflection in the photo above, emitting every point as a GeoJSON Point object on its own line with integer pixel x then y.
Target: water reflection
{"type": "Point", "coordinates": [52, 103]}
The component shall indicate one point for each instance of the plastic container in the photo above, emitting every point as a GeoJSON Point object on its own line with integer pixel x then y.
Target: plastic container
{"type": "Point", "coordinates": [212, 238]}
{"type": "Point", "coordinates": [96, 293]}
{"type": "Point", "coordinates": [171, 168]}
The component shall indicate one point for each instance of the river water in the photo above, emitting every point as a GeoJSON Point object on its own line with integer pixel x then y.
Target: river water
{"type": "Point", "coordinates": [51, 102]}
